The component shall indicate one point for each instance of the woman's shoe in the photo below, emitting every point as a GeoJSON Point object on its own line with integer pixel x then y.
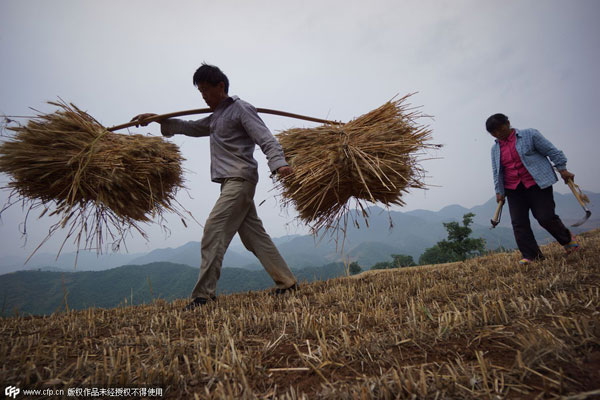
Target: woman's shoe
{"type": "Point", "coordinates": [572, 246]}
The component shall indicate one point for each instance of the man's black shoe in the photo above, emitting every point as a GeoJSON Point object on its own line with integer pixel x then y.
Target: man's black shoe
{"type": "Point", "coordinates": [291, 289]}
{"type": "Point", "coordinates": [197, 302]}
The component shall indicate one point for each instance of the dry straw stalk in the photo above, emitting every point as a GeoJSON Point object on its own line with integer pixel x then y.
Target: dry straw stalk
{"type": "Point", "coordinates": [100, 184]}
{"type": "Point", "coordinates": [373, 158]}
{"type": "Point", "coordinates": [486, 328]}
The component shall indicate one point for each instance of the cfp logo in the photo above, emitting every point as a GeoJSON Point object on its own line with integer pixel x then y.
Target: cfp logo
{"type": "Point", "coordinates": [12, 391]}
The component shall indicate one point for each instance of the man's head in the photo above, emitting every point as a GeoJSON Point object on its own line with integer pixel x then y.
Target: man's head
{"type": "Point", "coordinates": [212, 84]}
{"type": "Point", "coordinates": [498, 126]}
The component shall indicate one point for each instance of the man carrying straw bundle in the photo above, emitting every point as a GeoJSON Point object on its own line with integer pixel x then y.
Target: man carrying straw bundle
{"type": "Point", "coordinates": [234, 128]}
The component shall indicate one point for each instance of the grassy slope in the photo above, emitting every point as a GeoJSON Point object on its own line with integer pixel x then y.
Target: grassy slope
{"type": "Point", "coordinates": [486, 328]}
{"type": "Point", "coordinates": [43, 292]}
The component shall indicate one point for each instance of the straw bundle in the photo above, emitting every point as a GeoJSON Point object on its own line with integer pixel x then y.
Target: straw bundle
{"type": "Point", "coordinates": [372, 158]}
{"type": "Point", "coordinates": [100, 184]}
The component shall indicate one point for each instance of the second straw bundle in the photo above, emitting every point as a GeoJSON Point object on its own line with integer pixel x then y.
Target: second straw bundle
{"type": "Point", "coordinates": [373, 158]}
{"type": "Point", "coordinates": [100, 184]}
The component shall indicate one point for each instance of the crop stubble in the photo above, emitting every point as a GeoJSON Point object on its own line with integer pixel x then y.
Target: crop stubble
{"type": "Point", "coordinates": [483, 328]}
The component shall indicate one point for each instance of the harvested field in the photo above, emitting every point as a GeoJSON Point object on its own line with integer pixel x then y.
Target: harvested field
{"type": "Point", "coordinates": [485, 328]}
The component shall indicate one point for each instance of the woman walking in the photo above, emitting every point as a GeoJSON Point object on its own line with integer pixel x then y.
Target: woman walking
{"type": "Point", "coordinates": [524, 175]}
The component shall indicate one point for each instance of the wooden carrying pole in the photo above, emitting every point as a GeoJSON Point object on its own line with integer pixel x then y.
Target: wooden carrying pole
{"type": "Point", "coordinates": [208, 110]}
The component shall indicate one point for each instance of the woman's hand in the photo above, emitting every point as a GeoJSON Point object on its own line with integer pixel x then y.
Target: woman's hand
{"type": "Point", "coordinates": [566, 175]}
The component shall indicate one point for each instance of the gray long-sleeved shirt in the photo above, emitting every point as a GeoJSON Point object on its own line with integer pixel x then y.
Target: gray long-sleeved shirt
{"type": "Point", "coordinates": [234, 129]}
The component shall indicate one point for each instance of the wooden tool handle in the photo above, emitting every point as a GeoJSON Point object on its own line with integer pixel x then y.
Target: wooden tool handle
{"type": "Point", "coordinates": [498, 211]}
{"type": "Point", "coordinates": [576, 193]}
{"type": "Point", "coordinates": [208, 110]}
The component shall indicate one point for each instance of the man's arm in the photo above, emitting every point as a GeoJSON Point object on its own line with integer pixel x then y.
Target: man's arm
{"type": "Point", "coordinates": [262, 136]}
{"type": "Point", "coordinates": [171, 126]}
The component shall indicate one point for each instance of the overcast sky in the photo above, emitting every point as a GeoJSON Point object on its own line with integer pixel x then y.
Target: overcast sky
{"type": "Point", "coordinates": [536, 61]}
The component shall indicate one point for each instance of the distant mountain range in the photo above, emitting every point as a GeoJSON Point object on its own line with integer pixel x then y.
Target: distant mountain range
{"type": "Point", "coordinates": [411, 234]}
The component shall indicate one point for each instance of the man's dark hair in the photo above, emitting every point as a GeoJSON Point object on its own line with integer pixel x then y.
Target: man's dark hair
{"type": "Point", "coordinates": [212, 75]}
{"type": "Point", "coordinates": [496, 121]}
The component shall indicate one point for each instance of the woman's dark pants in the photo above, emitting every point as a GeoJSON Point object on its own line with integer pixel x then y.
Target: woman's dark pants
{"type": "Point", "coordinates": [541, 204]}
